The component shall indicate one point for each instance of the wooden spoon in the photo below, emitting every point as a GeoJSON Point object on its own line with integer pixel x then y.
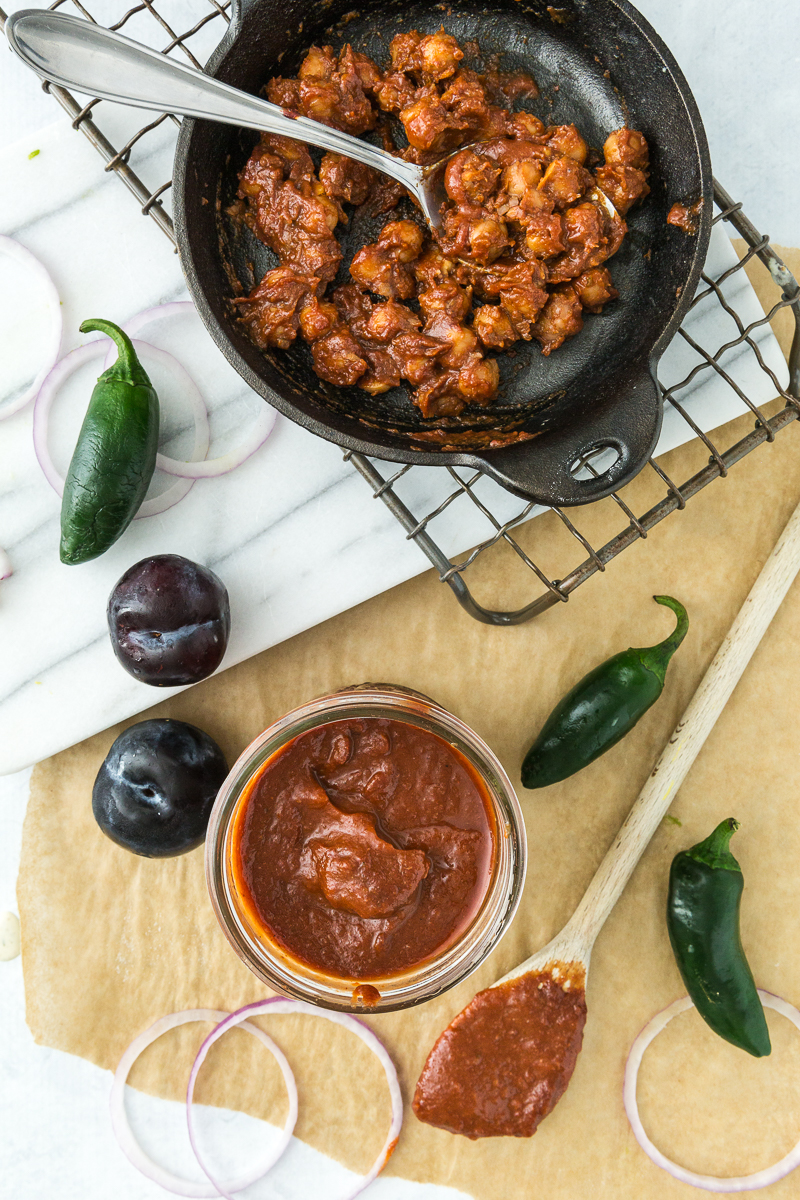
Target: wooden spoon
{"type": "Point", "coordinates": [505, 1060]}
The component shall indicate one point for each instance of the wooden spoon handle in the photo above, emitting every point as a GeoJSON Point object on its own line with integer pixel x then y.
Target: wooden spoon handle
{"type": "Point", "coordinates": [689, 735]}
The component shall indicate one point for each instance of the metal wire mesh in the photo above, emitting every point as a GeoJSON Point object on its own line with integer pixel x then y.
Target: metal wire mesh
{"type": "Point", "coordinates": [148, 23]}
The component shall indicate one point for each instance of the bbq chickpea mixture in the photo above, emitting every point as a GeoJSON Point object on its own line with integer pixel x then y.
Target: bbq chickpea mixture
{"type": "Point", "coordinates": [525, 228]}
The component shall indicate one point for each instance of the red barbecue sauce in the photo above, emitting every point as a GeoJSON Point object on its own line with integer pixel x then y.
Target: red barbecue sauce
{"type": "Point", "coordinates": [685, 216]}
{"type": "Point", "coordinates": [363, 847]}
{"type": "Point", "coordinates": [505, 1061]}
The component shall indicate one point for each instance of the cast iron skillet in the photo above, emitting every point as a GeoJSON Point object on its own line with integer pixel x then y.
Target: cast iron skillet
{"type": "Point", "coordinates": [598, 63]}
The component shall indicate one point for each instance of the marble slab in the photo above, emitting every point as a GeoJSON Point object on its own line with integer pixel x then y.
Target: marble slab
{"type": "Point", "coordinates": [293, 533]}
{"type": "Point", "coordinates": [739, 57]}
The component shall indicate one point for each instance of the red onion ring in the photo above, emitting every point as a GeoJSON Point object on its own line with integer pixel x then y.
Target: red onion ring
{"type": "Point", "coordinates": [132, 327]}
{"type": "Point", "coordinates": [209, 468]}
{"type": "Point", "coordinates": [6, 568]}
{"type": "Point", "coordinates": [66, 367]}
{"type": "Point", "coordinates": [278, 1005]}
{"type": "Point", "coordinates": [143, 318]}
{"type": "Point", "coordinates": [14, 250]}
{"type": "Point", "coordinates": [124, 1134]}
{"type": "Point", "coordinates": [711, 1183]}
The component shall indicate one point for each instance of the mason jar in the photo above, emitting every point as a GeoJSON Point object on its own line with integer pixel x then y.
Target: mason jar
{"type": "Point", "coordinates": [290, 975]}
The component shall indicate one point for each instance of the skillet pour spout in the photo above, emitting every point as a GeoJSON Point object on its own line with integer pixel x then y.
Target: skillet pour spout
{"type": "Point", "coordinates": [599, 65]}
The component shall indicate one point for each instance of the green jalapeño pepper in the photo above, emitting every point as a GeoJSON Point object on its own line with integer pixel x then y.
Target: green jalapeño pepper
{"type": "Point", "coordinates": [705, 890]}
{"type": "Point", "coordinates": [115, 455]}
{"type": "Point", "coordinates": [602, 708]}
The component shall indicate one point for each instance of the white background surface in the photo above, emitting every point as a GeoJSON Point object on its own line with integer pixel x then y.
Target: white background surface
{"type": "Point", "coordinates": [742, 59]}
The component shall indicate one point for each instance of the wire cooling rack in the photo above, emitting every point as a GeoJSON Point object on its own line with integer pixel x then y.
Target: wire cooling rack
{"type": "Point", "coordinates": [203, 24]}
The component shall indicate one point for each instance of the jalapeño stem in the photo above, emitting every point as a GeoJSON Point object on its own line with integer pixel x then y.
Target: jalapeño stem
{"type": "Point", "coordinates": [656, 658]}
{"type": "Point", "coordinates": [127, 368]}
{"type": "Point", "coordinates": [714, 850]}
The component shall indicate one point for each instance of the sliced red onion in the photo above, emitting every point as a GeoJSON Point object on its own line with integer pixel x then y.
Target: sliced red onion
{"type": "Point", "coordinates": [137, 323]}
{"type": "Point", "coordinates": [71, 363]}
{"type": "Point", "coordinates": [51, 331]}
{"type": "Point", "coordinates": [44, 402]}
{"type": "Point", "coordinates": [202, 435]}
{"type": "Point", "coordinates": [278, 1005]}
{"type": "Point", "coordinates": [209, 468]}
{"type": "Point", "coordinates": [124, 1134]}
{"type": "Point", "coordinates": [174, 308]}
{"type": "Point", "coordinates": [711, 1183]}
{"type": "Point", "coordinates": [6, 568]}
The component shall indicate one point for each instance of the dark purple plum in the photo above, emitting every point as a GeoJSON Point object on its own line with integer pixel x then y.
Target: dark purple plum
{"type": "Point", "coordinates": [156, 788]}
{"type": "Point", "coordinates": [169, 620]}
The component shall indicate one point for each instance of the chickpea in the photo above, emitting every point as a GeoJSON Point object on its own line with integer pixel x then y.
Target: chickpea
{"type": "Point", "coordinates": [446, 297]}
{"type": "Point", "coordinates": [526, 124]}
{"type": "Point", "coordinates": [478, 381]}
{"type": "Point", "coordinates": [317, 319]}
{"type": "Point", "coordinates": [404, 238]}
{"type": "Point", "coordinates": [594, 288]}
{"type": "Point", "coordinates": [564, 181]}
{"type": "Point", "coordinates": [367, 266]}
{"type": "Point", "coordinates": [426, 123]}
{"type": "Point", "coordinates": [439, 55]}
{"type": "Point", "coordinates": [404, 50]}
{"type": "Point", "coordinates": [390, 319]}
{"type": "Point", "coordinates": [319, 63]}
{"type": "Point", "coordinates": [519, 177]}
{"type": "Point", "coordinates": [337, 358]}
{"type": "Point", "coordinates": [627, 147]}
{"type": "Point", "coordinates": [488, 239]}
{"type": "Point", "coordinates": [559, 319]}
{"type": "Point", "coordinates": [470, 178]}
{"type": "Point", "coordinates": [319, 103]}
{"type": "Point", "coordinates": [375, 387]}
{"type": "Point", "coordinates": [566, 140]}
{"type": "Point", "coordinates": [493, 326]}
{"type": "Point", "coordinates": [544, 235]}
{"type": "Point", "coordinates": [330, 210]}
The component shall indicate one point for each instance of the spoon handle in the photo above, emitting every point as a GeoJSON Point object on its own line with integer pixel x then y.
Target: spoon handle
{"type": "Point", "coordinates": [88, 58]}
{"type": "Point", "coordinates": [687, 739]}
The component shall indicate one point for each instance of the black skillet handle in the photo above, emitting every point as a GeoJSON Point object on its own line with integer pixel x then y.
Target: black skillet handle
{"type": "Point", "coordinates": [546, 469]}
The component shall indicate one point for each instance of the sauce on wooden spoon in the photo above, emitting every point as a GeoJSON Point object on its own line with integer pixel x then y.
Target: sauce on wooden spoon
{"type": "Point", "coordinates": [505, 1061]}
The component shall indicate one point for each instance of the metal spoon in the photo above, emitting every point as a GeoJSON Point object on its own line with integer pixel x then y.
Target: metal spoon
{"type": "Point", "coordinates": [88, 58]}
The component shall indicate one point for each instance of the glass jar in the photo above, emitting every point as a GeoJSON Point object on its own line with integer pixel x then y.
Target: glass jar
{"type": "Point", "coordinates": [422, 981]}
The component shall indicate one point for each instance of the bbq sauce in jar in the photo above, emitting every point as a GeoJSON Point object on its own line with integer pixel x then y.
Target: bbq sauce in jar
{"type": "Point", "coordinates": [363, 847]}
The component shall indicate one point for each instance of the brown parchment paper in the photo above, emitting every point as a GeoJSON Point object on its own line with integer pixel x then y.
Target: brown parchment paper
{"type": "Point", "coordinates": [112, 941]}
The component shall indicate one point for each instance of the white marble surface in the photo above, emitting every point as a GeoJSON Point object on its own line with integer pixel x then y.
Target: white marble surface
{"type": "Point", "coordinates": [293, 533]}
{"type": "Point", "coordinates": [741, 58]}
